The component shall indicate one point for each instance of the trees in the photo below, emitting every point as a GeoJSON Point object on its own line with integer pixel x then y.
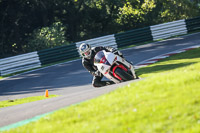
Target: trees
{"type": "Point", "coordinates": [134, 13]}
{"type": "Point", "coordinates": [22, 21]}
{"type": "Point", "coordinates": [137, 13]}
{"type": "Point", "coordinates": [19, 19]}
{"type": "Point", "coordinates": [49, 37]}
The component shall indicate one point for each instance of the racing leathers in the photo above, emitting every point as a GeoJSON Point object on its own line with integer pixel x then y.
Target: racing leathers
{"type": "Point", "coordinates": [89, 65]}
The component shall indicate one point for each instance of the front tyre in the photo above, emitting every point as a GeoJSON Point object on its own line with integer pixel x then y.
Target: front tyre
{"type": "Point", "coordinates": [123, 74]}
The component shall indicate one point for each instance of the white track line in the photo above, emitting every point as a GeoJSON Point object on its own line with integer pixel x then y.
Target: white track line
{"type": "Point", "coordinates": [157, 58]}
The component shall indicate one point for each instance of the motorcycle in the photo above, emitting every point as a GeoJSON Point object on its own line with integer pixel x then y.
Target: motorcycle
{"type": "Point", "coordinates": [114, 67]}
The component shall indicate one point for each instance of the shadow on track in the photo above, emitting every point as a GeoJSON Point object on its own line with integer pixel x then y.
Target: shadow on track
{"type": "Point", "coordinates": [52, 78]}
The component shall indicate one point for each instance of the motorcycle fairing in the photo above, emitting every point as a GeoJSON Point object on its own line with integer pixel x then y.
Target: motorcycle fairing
{"type": "Point", "coordinates": [106, 60]}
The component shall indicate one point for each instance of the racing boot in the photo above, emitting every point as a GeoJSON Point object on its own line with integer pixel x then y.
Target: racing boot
{"type": "Point", "coordinates": [109, 82]}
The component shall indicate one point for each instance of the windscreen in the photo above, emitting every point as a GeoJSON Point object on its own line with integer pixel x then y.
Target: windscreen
{"type": "Point", "coordinates": [100, 58]}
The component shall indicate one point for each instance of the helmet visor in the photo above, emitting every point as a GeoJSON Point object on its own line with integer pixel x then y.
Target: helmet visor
{"type": "Point", "coordinates": [85, 54]}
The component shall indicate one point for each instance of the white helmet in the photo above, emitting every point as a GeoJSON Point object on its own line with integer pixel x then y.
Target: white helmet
{"type": "Point", "coordinates": [85, 50]}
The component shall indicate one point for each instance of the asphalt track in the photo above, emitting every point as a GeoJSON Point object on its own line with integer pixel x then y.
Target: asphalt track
{"type": "Point", "coordinates": [71, 81]}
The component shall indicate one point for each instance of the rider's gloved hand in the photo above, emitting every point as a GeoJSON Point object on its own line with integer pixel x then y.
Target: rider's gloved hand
{"type": "Point", "coordinates": [97, 73]}
{"type": "Point", "coordinates": [114, 51]}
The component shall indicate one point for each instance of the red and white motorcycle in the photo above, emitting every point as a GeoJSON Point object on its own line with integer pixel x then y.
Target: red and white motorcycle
{"type": "Point", "coordinates": [114, 67]}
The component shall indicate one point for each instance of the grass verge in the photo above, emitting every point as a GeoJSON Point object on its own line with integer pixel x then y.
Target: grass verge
{"type": "Point", "coordinates": [166, 102]}
{"type": "Point", "coordinates": [23, 100]}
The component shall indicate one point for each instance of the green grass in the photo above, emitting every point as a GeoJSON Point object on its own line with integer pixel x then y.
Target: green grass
{"type": "Point", "coordinates": [171, 63]}
{"type": "Point", "coordinates": [23, 100]}
{"type": "Point", "coordinates": [166, 101]}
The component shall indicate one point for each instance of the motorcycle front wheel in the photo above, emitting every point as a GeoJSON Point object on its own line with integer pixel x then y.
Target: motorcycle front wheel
{"type": "Point", "coordinates": [123, 74]}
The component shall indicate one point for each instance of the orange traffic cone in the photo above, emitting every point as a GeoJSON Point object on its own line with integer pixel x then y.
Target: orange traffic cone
{"type": "Point", "coordinates": [46, 93]}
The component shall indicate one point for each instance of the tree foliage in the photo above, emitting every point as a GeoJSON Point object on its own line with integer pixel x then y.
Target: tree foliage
{"type": "Point", "coordinates": [28, 25]}
{"type": "Point", "coordinates": [49, 37]}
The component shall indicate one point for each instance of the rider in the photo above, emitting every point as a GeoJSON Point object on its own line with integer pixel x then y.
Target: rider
{"type": "Point", "coordinates": [88, 54]}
